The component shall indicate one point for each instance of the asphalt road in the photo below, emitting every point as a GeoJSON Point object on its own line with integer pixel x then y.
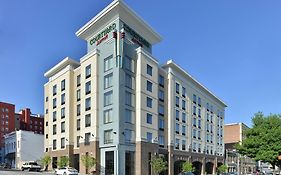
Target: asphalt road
{"type": "Point", "coordinates": [23, 173]}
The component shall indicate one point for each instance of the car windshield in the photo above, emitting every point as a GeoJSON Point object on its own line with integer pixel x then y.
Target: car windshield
{"type": "Point", "coordinates": [33, 163]}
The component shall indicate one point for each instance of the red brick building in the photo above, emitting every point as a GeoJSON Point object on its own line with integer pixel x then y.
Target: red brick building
{"type": "Point", "coordinates": [29, 122]}
{"type": "Point", "coordinates": [7, 120]}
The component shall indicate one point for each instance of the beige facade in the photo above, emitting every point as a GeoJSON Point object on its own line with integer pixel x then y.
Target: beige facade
{"type": "Point", "coordinates": [122, 107]}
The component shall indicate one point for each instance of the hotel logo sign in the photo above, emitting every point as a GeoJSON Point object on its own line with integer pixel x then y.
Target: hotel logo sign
{"type": "Point", "coordinates": [102, 35]}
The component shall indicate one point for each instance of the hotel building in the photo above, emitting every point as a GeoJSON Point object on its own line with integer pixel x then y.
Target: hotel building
{"type": "Point", "coordinates": [119, 105]}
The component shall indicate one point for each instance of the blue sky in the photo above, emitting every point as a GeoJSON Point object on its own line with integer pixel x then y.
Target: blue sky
{"type": "Point", "coordinates": [232, 47]}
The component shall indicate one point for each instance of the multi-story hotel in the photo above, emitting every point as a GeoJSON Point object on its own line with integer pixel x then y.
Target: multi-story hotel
{"type": "Point", "coordinates": [237, 163]}
{"type": "Point", "coordinates": [120, 106]}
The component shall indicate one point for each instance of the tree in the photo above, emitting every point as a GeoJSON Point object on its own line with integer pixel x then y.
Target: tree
{"type": "Point", "coordinates": [222, 169]}
{"type": "Point", "coordinates": [88, 161]}
{"type": "Point", "coordinates": [46, 160]}
{"type": "Point", "coordinates": [63, 161]}
{"type": "Point", "coordinates": [158, 164]}
{"type": "Point", "coordinates": [263, 140]}
{"type": "Point", "coordinates": [187, 167]}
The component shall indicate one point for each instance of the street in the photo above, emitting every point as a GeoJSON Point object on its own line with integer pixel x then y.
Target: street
{"type": "Point", "coordinates": [23, 173]}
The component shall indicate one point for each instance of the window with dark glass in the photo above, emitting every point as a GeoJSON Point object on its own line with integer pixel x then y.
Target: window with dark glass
{"type": "Point", "coordinates": [62, 143]}
{"type": "Point", "coordinates": [161, 95]}
{"type": "Point", "coordinates": [54, 116]}
{"type": "Point", "coordinates": [149, 70]}
{"type": "Point", "coordinates": [177, 128]}
{"type": "Point", "coordinates": [161, 110]}
{"type": "Point", "coordinates": [62, 85]}
{"type": "Point", "coordinates": [78, 80]}
{"type": "Point", "coordinates": [54, 144]}
{"type": "Point", "coordinates": [88, 104]}
{"type": "Point", "coordinates": [148, 86]}
{"type": "Point", "coordinates": [194, 98]}
{"type": "Point", "coordinates": [183, 91]}
{"type": "Point", "coordinates": [88, 71]}
{"type": "Point", "coordinates": [62, 99]}
{"type": "Point", "coordinates": [199, 101]}
{"type": "Point", "coordinates": [149, 102]}
{"type": "Point", "coordinates": [62, 127]}
{"type": "Point", "coordinates": [78, 109]}
{"type": "Point", "coordinates": [88, 88]}
{"type": "Point", "coordinates": [78, 95]}
{"type": "Point", "coordinates": [177, 88]}
{"type": "Point", "coordinates": [62, 113]}
{"type": "Point", "coordinates": [183, 116]}
{"type": "Point", "coordinates": [161, 81]}
{"type": "Point", "coordinates": [177, 144]}
{"type": "Point", "coordinates": [54, 103]}
{"type": "Point", "coordinates": [149, 118]}
{"type": "Point", "coordinates": [87, 138]}
{"type": "Point", "coordinates": [194, 110]}
{"type": "Point", "coordinates": [78, 124]}
{"type": "Point", "coordinates": [183, 105]}
{"type": "Point", "coordinates": [177, 101]}
{"type": "Point", "coordinates": [161, 124]}
{"type": "Point", "coordinates": [55, 90]}
{"type": "Point", "coordinates": [88, 120]}
{"type": "Point", "coordinates": [54, 129]}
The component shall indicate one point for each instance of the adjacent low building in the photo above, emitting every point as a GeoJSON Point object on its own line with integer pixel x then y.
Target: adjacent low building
{"type": "Point", "coordinates": [119, 105]}
{"type": "Point", "coordinates": [23, 146]}
{"type": "Point", "coordinates": [234, 134]}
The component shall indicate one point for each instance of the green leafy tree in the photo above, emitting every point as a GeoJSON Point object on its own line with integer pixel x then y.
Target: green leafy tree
{"type": "Point", "coordinates": [88, 162]}
{"type": "Point", "coordinates": [46, 160]}
{"type": "Point", "coordinates": [263, 140]}
{"type": "Point", "coordinates": [187, 167]}
{"type": "Point", "coordinates": [63, 161]}
{"type": "Point", "coordinates": [158, 164]}
{"type": "Point", "coordinates": [222, 169]}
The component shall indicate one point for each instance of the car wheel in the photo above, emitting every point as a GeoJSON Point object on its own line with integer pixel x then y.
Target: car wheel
{"type": "Point", "coordinates": [64, 173]}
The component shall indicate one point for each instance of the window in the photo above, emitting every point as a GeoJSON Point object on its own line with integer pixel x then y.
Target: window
{"type": "Point", "coordinates": [161, 124]}
{"type": "Point", "coordinates": [194, 122]}
{"type": "Point", "coordinates": [183, 105]}
{"type": "Point", "coordinates": [78, 95]}
{"type": "Point", "coordinates": [211, 128]}
{"type": "Point", "coordinates": [148, 86]}
{"type": "Point", "coordinates": [177, 115]}
{"type": "Point", "coordinates": [194, 133]}
{"type": "Point", "coordinates": [88, 88]}
{"type": "Point", "coordinates": [177, 101]}
{"type": "Point", "coordinates": [46, 123]}
{"type": "Point", "coordinates": [55, 90]}
{"type": "Point", "coordinates": [177, 144]}
{"type": "Point", "coordinates": [107, 116]}
{"type": "Point", "coordinates": [108, 63]}
{"type": "Point", "coordinates": [177, 88]}
{"type": "Point", "coordinates": [88, 120]}
{"type": "Point", "coordinates": [128, 116]}
{"type": "Point", "coordinates": [78, 109]}
{"type": "Point", "coordinates": [199, 123]}
{"type": "Point", "coordinates": [199, 112]}
{"type": "Point", "coordinates": [77, 141]}
{"type": "Point", "coordinates": [47, 111]}
{"type": "Point", "coordinates": [62, 127]}
{"type": "Point", "coordinates": [149, 70]}
{"type": "Point", "coordinates": [194, 110]}
{"type": "Point", "coordinates": [149, 136]}
{"type": "Point", "coordinates": [62, 85]}
{"type": "Point", "coordinates": [108, 98]}
{"type": "Point", "coordinates": [78, 124]}
{"type": "Point", "coordinates": [62, 113]}
{"type": "Point", "coordinates": [183, 131]}
{"type": "Point", "coordinates": [149, 102]}
{"type": "Point", "coordinates": [211, 109]}
{"type": "Point", "coordinates": [87, 138]}
{"type": "Point", "coordinates": [128, 135]}
{"type": "Point", "coordinates": [129, 81]}
{"type": "Point", "coordinates": [161, 95]}
{"type": "Point", "coordinates": [183, 117]}
{"type": "Point", "coordinates": [161, 141]}
{"type": "Point", "coordinates": [199, 147]}
{"type": "Point", "coordinates": [129, 64]}
{"type": "Point", "coordinates": [148, 118]}
{"type": "Point", "coordinates": [128, 98]}
{"type": "Point", "coordinates": [108, 137]}
{"type": "Point", "coordinates": [54, 144]}
{"type": "Point", "coordinates": [199, 101]}
{"type": "Point", "coordinates": [208, 127]}
{"type": "Point", "coordinates": [194, 147]}
{"type": "Point", "coordinates": [161, 81]}
{"type": "Point", "coordinates": [54, 103]}
{"type": "Point", "coordinates": [183, 91]}
{"type": "Point", "coordinates": [177, 128]}
{"type": "Point", "coordinates": [78, 80]}
{"type": "Point", "coordinates": [161, 110]}
{"type": "Point", "coordinates": [199, 134]}
{"type": "Point", "coordinates": [207, 106]}
{"type": "Point", "coordinates": [194, 98]}
{"type": "Point", "coordinates": [47, 99]}
{"type": "Point", "coordinates": [183, 144]}
{"type": "Point", "coordinates": [62, 141]}
{"type": "Point", "coordinates": [54, 129]}
{"type": "Point", "coordinates": [54, 116]}
{"type": "Point", "coordinates": [62, 99]}
{"type": "Point", "coordinates": [88, 104]}
{"type": "Point", "coordinates": [88, 71]}
{"type": "Point", "coordinates": [108, 81]}
{"type": "Point", "coordinates": [47, 136]}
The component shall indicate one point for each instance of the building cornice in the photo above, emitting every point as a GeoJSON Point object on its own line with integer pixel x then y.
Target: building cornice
{"type": "Point", "coordinates": [173, 65]}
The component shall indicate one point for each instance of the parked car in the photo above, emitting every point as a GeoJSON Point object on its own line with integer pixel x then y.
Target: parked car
{"type": "Point", "coordinates": [31, 166]}
{"type": "Point", "coordinates": [189, 173]}
{"type": "Point", "coordinates": [66, 171]}
{"type": "Point", "coordinates": [5, 166]}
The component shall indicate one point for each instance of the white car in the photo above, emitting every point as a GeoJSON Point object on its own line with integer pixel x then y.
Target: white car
{"type": "Point", "coordinates": [66, 171]}
{"type": "Point", "coordinates": [31, 166]}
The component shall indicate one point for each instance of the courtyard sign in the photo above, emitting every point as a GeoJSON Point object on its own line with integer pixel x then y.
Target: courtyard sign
{"type": "Point", "coordinates": [136, 37]}
{"type": "Point", "coordinates": [102, 35]}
